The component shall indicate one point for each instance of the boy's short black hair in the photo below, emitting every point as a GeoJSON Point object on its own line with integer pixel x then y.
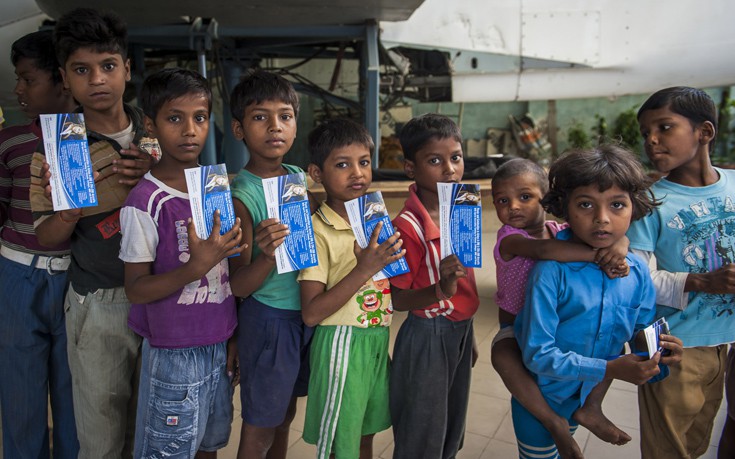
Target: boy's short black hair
{"type": "Point", "coordinates": [336, 133]}
{"type": "Point", "coordinates": [421, 129]}
{"type": "Point", "coordinates": [104, 32]}
{"type": "Point", "coordinates": [691, 103]}
{"type": "Point", "coordinates": [258, 87]}
{"type": "Point", "coordinates": [604, 166]}
{"type": "Point", "coordinates": [38, 47]}
{"type": "Point", "coordinates": [520, 166]}
{"type": "Point", "coordinates": [169, 84]}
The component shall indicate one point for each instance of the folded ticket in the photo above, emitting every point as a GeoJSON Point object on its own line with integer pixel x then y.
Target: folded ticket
{"type": "Point", "coordinates": [652, 334]}
{"type": "Point", "coordinates": [460, 222]}
{"type": "Point", "coordinates": [286, 199]}
{"type": "Point", "coordinates": [209, 190]}
{"type": "Point", "coordinates": [67, 153]}
{"type": "Point", "coordinates": [365, 213]}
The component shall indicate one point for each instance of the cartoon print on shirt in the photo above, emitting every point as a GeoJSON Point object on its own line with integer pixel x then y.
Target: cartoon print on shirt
{"type": "Point", "coordinates": [371, 302]}
{"type": "Point", "coordinates": [708, 245]}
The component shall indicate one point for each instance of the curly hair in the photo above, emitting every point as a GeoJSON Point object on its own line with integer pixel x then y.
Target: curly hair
{"type": "Point", "coordinates": [604, 166]}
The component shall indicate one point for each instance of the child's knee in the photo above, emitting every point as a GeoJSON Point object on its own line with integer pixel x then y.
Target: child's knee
{"type": "Point", "coordinates": [505, 355]}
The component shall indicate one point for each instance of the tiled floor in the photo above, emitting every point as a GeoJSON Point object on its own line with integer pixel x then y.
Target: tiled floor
{"type": "Point", "coordinates": [489, 426]}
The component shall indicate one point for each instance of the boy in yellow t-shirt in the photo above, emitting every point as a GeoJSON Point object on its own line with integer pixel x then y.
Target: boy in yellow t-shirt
{"type": "Point", "coordinates": [348, 387]}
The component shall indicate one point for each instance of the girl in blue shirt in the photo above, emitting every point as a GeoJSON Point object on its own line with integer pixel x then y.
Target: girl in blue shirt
{"type": "Point", "coordinates": [576, 319]}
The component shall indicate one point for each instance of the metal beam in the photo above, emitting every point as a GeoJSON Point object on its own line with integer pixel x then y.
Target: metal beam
{"type": "Point", "coordinates": [371, 66]}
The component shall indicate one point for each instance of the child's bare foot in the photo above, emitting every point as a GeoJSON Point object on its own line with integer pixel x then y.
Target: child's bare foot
{"type": "Point", "coordinates": [565, 443]}
{"type": "Point", "coordinates": [592, 418]}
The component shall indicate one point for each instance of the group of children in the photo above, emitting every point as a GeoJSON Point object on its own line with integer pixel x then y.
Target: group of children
{"type": "Point", "coordinates": [574, 295]}
{"type": "Point", "coordinates": [145, 312]}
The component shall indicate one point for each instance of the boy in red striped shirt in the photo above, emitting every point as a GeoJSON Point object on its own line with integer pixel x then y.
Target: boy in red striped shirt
{"type": "Point", "coordinates": [434, 351]}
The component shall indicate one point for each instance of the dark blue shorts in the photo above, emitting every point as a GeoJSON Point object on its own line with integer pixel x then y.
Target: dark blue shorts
{"type": "Point", "coordinates": [273, 345]}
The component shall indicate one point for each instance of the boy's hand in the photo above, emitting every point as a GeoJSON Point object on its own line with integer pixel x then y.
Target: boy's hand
{"type": "Point", "coordinates": [450, 271]}
{"type": "Point", "coordinates": [233, 361]}
{"type": "Point", "coordinates": [46, 180]}
{"type": "Point", "coordinates": [376, 256]}
{"type": "Point", "coordinates": [206, 253]}
{"type": "Point", "coordinates": [68, 215]}
{"type": "Point", "coordinates": [633, 368]}
{"type": "Point", "coordinates": [134, 168]}
{"type": "Point", "coordinates": [269, 234]}
{"type": "Point", "coordinates": [674, 345]}
{"type": "Point", "coordinates": [721, 281]}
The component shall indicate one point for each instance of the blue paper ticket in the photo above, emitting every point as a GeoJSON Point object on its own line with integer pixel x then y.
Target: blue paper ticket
{"type": "Point", "coordinates": [209, 190]}
{"type": "Point", "coordinates": [286, 200]}
{"type": "Point", "coordinates": [67, 153]}
{"type": "Point", "coordinates": [653, 333]}
{"type": "Point", "coordinates": [364, 213]}
{"type": "Point", "coordinates": [460, 222]}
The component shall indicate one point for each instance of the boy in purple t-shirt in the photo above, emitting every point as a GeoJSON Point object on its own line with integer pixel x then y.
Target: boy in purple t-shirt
{"type": "Point", "coordinates": [178, 284]}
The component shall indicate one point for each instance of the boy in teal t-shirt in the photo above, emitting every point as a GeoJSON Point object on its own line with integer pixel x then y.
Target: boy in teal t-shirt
{"type": "Point", "coordinates": [272, 339]}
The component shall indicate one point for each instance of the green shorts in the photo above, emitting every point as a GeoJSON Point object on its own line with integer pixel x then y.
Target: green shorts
{"type": "Point", "coordinates": [348, 388]}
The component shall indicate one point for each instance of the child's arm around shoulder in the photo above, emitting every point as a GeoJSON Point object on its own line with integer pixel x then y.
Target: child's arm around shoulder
{"type": "Point", "coordinates": [318, 303]}
{"type": "Point", "coordinates": [516, 245]}
{"type": "Point", "coordinates": [248, 274]}
{"type": "Point", "coordinates": [611, 260]}
{"type": "Point", "coordinates": [141, 286]}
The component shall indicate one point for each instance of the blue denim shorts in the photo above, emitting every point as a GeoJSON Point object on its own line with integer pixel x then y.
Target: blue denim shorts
{"type": "Point", "coordinates": [273, 345]}
{"type": "Point", "coordinates": [185, 401]}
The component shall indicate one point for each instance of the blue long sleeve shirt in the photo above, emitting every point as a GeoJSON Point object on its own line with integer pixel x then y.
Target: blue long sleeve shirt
{"type": "Point", "coordinates": [575, 317]}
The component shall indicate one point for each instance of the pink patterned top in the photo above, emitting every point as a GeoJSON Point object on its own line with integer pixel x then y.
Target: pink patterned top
{"type": "Point", "coordinates": [512, 275]}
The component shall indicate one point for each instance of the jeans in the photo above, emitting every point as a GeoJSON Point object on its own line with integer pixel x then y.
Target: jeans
{"type": "Point", "coordinates": [185, 402]}
{"type": "Point", "coordinates": [33, 364]}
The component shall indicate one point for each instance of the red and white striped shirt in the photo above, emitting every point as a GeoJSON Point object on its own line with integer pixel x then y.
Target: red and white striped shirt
{"type": "Point", "coordinates": [421, 239]}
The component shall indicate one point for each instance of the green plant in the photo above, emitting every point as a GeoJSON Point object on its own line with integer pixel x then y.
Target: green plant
{"type": "Point", "coordinates": [577, 136]}
{"type": "Point", "coordinates": [600, 129]}
{"type": "Point", "coordinates": [627, 131]}
{"type": "Point", "coordinates": [724, 151]}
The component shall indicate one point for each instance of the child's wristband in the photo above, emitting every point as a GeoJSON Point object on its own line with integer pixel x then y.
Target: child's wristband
{"type": "Point", "coordinates": [439, 293]}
